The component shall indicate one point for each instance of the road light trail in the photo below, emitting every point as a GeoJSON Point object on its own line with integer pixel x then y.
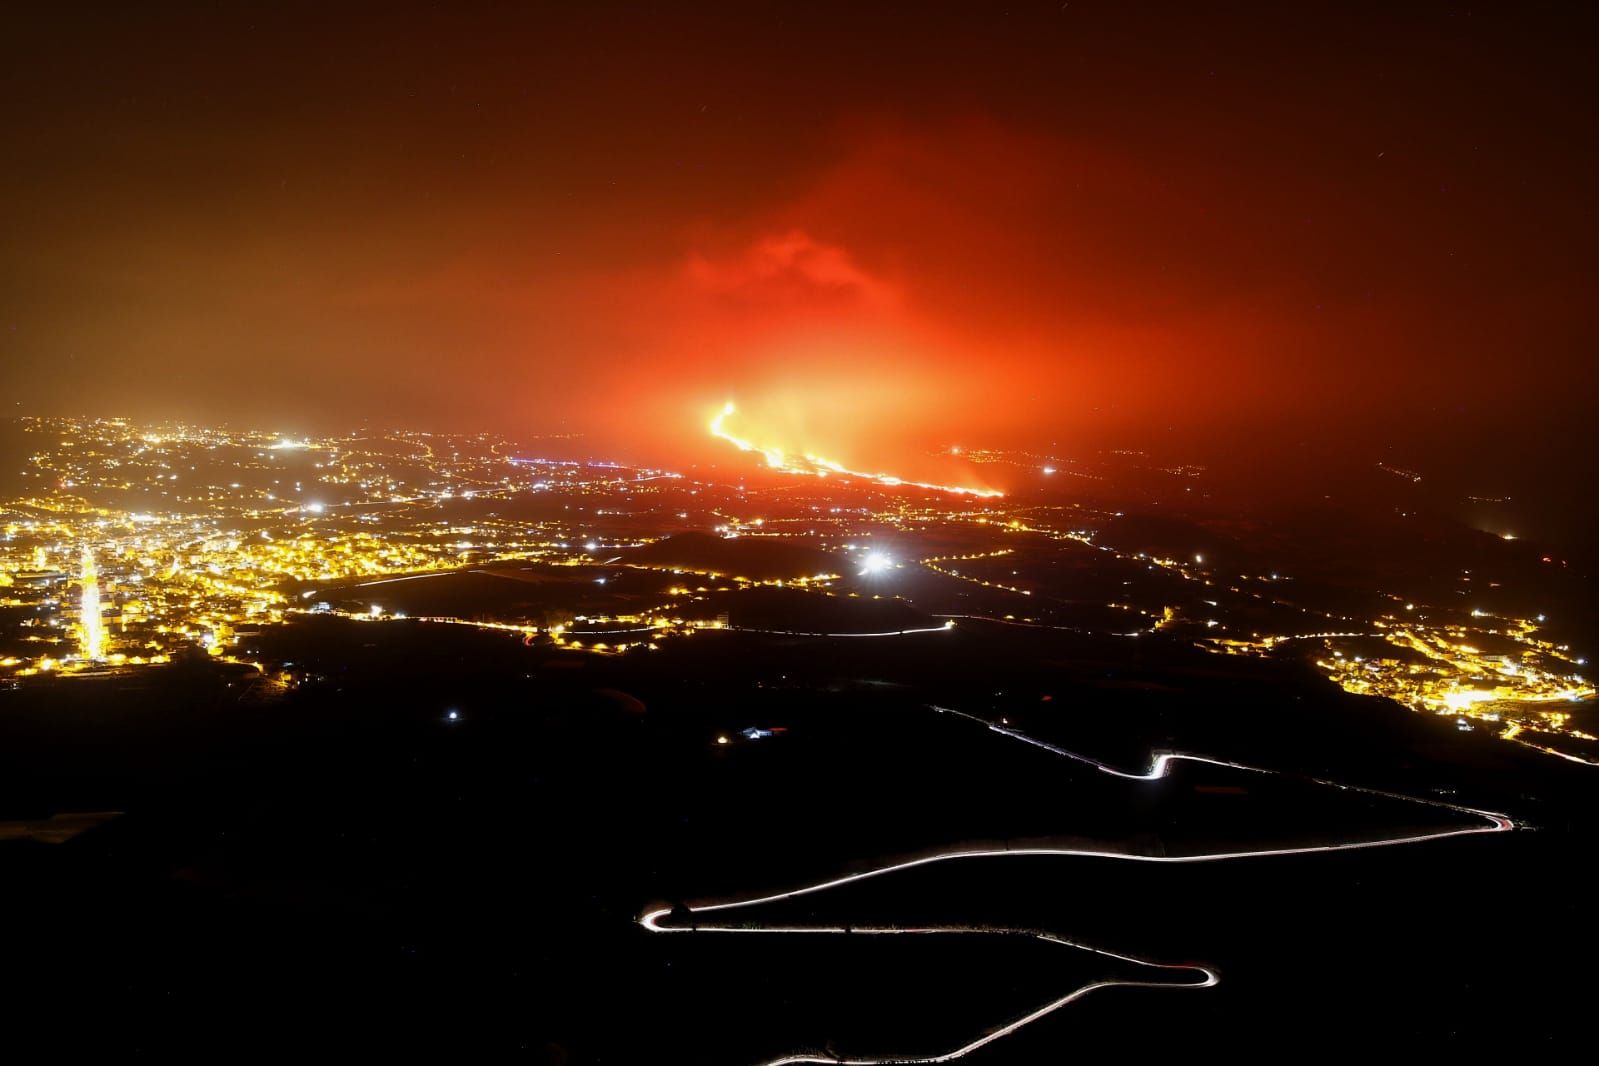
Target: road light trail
{"type": "Point", "coordinates": [1547, 750]}
{"type": "Point", "coordinates": [945, 628]}
{"type": "Point", "coordinates": [1206, 978]}
{"type": "Point", "coordinates": [1160, 767]}
{"type": "Point", "coordinates": [1024, 625]}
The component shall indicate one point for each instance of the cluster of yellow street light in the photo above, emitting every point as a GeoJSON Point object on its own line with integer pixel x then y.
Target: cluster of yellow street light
{"type": "Point", "coordinates": [249, 519]}
{"type": "Point", "coordinates": [244, 518]}
{"type": "Point", "coordinates": [1442, 669]}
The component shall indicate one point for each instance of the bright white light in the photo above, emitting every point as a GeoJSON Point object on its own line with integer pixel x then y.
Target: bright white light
{"type": "Point", "coordinates": [875, 563]}
{"type": "Point", "coordinates": [314, 508]}
{"type": "Point", "coordinates": [591, 546]}
{"type": "Point", "coordinates": [1048, 470]}
{"type": "Point", "coordinates": [453, 716]}
{"type": "Point", "coordinates": [1463, 698]}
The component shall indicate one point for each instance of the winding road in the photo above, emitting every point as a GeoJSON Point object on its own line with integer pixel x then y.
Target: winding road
{"type": "Point", "coordinates": [1160, 767]}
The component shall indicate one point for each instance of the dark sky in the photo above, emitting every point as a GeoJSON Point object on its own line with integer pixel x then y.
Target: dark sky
{"type": "Point", "coordinates": [869, 224]}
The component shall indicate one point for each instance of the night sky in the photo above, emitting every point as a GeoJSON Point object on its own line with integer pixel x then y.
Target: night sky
{"type": "Point", "coordinates": [874, 226]}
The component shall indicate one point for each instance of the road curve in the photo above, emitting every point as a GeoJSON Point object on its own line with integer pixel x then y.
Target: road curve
{"type": "Point", "coordinates": [1205, 978]}
{"type": "Point", "coordinates": [1160, 767]}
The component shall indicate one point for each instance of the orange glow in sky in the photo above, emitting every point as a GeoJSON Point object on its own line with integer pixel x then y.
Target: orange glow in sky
{"type": "Point", "coordinates": [1062, 230]}
{"type": "Point", "coordinates": [817, 466]}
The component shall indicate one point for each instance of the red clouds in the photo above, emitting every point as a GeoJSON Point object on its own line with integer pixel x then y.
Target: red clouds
{"type": "Point", "coordinates": [1088, 226]}
{"type": "Point", "coordinates": [929, 285]}
{"type": "Point", "coordinates": [790, 270]}
{"type": "Point", "coordinates": [968, 280]}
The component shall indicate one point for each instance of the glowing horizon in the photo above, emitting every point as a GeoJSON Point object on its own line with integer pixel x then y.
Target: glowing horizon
{"type": "Point", "coordinates": [817, 466]}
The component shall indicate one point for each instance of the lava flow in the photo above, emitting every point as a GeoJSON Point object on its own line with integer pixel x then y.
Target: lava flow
{"type": "Point", "coordinates": [816, 466]}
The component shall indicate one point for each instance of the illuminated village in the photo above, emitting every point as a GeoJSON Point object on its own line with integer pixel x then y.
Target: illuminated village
{"type": "Point", "coordinates": [774, 534]}
{"type": "Point", "coordinates": [137, 544]}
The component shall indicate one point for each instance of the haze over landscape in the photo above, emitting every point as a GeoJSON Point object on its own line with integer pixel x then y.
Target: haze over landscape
{"type": "Point", "coordinates": [880, 229]}
{"type": "Point", "coordinates": [1019, 512]}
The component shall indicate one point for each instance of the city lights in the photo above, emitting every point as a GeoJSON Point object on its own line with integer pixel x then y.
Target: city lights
{"type": "Point", "coordinates": [231, 553]}
{"type": "Point", "coordinates": [798, 534]}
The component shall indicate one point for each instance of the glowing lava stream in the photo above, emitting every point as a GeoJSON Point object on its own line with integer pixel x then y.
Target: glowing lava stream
{"type": "Point", "coordinates": [1160, 767]}
{"type": "Point", "coordinates": [816, 466]}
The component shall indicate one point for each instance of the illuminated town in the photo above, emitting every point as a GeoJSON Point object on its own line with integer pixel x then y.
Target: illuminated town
{"type": "Point", "coordinates": [772, 534]}
{"type": "Point", "coordinates": [135, 544]}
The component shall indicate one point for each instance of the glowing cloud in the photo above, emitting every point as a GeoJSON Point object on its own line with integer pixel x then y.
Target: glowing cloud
{"type": "Point", "coordinates": [790, 267]}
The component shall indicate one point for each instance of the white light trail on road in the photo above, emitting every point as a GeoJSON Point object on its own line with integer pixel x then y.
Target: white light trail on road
{"type": "Point", "coordinates": [1160, 767]}
{"type": "Point", "coordinates": [1207, 977]}
{"type": "Point", "coordinates": [408, 577]}
{"type": "Point", "coordinates": [1547, 750]}
{"type": "Point", "coordinates": [945, 627]}
{"type": "Point", "coordinates": [1016, 622]}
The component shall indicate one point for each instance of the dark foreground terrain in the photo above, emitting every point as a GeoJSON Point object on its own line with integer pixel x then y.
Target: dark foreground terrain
{"type": "Point", "coordinates": [347, 868]}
